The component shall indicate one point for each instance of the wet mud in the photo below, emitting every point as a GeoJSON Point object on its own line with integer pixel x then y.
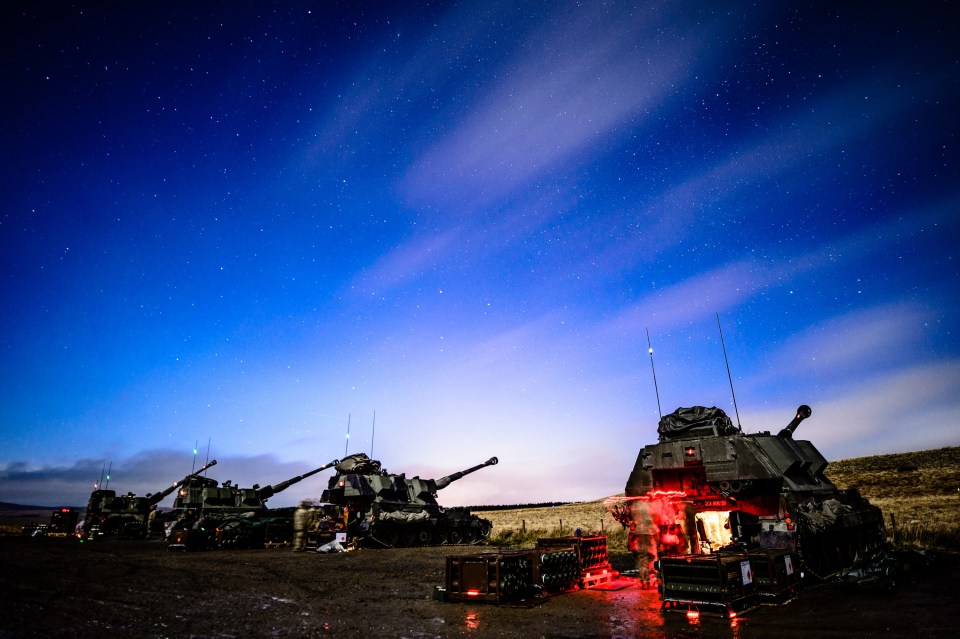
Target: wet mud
{"type": "Point", "coordinates": [61, 588]}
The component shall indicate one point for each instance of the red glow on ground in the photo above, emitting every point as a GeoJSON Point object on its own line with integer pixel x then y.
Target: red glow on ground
{"type": "Point", "coordinates": [472, 620]}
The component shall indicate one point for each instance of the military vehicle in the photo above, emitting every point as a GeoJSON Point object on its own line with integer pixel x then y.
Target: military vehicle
{"type": "Point", "coordinates": [387, 510]}
{"type": "Point", "coordinates": [729, 489]}
{"type": "Point", "coordinates": [208, 514]}
{"type": "Point", "coordinates": [126, 516]}
{"type": "Point", "coordinates": [63, 523]}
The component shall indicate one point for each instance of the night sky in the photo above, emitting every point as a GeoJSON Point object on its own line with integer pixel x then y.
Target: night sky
{"type": "Point", "coordinates": [242, 227]}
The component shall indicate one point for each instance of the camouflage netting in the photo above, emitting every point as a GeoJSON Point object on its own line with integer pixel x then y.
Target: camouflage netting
{"type": "Point", "coordinates": [823, 516]}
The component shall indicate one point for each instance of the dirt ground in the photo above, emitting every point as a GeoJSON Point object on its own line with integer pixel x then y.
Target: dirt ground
{"type": "Point", "coordinates": [62, 588]}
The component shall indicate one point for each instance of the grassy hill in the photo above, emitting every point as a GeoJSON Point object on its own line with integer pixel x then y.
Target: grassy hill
{"type": "Point", "coordinates": [918, 492]}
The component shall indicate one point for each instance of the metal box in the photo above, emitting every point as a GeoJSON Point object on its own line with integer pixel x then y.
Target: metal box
{"type": "Point", "coordinates": [776, 574]}
{"type": "Point", "coordinates": [721, 583]}
{"type": "Point", "coordinates": [489, 577]}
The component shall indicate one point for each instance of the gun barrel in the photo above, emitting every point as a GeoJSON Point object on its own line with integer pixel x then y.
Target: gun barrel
{"type": "Point", "coordinates": [803, 412]}
{"type": "Point", "coordinates": [443, 482]}
{"type": "Point", "coordinates": [158, 497]}
{"type": "Point", "coordinates": [270, 491]}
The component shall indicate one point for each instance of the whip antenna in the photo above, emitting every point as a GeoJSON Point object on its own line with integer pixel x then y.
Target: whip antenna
{"type": "Point", "coordinates": [347, 444]}
{"type": "Point", "coordinates": [654, 370]}
{"type": "Point", "coordinates": [373, 432]}
{"type": "Point", "coordinates": [729, 376]}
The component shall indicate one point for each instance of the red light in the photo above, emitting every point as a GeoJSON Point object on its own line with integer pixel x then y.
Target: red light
{"type": "Point", "coordinates": [693, 614]}
{"type": "Point", "coordinates": [341, 484]}
{"type": "Point", "coordinates": [690, 451]}
{"type": "Point", "coordinates": [472, 593]}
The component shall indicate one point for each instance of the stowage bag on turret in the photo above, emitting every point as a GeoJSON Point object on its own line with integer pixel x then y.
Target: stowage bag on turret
{"type": "Point", "coordinates": [696, 421]}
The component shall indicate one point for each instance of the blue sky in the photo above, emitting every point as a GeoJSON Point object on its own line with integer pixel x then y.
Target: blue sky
{"type": "Point", "coordinates": [249, 224]}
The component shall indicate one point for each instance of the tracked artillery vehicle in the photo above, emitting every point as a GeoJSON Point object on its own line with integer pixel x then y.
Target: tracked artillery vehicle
{"type": "Point", "coordinates": [127, 516]}
{"type": "Point", "coordinates": [387, 510]}
{"type": "Point", "coordinates": [210, 515]}
{"type": "Point", "coordinates": [732, 490]}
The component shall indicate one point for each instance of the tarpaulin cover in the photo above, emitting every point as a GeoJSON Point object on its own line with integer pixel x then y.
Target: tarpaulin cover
{"type": "Point", "coordinates": [697, 420]}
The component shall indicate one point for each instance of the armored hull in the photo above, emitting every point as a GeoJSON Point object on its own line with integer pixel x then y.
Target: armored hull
{"type": "Point", "coordinates": [128, 516]}
{"type": "Point", "coordinates": [209, 515]}
{"type": "Point", "coordinates": [383, 509]}
{"type": "Point", "coordinates": [726, 489]}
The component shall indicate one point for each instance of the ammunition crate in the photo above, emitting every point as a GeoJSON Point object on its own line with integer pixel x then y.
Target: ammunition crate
{"type": "Point", "coordinates": [776, 574]}
{"type": "Point", "coordinates": [721, 583]}
{"type": "Point", "coordinates": [555, 569]}
{"type": "Point", "coordinates": [489, 577]}
{"type": "Point", "coordinates": [592, 559]}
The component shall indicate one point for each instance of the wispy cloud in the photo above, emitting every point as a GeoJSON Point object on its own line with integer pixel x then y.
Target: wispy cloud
{"type": "Point", "coordinates": [150, 472]}
{"type": "Point", "coordinates": [406, 262]}
{"type": "Point", "coordinates": [858, 341]}
{"type": "Point", "coordinates": [551, 105]}
{"type": "Point", "coordinates": [914, 408]}
{"type": "Point", "coordinates": [729, 285]}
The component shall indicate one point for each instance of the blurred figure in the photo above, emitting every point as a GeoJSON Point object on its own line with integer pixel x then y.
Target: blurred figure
{"type": "Point", "coordinates": [301, 521]}
{"type": "Point", "coordinates": [642, 540]}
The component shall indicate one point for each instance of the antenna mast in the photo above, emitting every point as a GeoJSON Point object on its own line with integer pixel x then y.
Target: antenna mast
{"type": "Point", "coordinates": [346, 445]}
{"type": "Point", "coordinates": [109, 468]}
{"type": "Point", "coordinates": [654, 370]}
{"type": "Point", "coordinates": [729, 376]}
{"type": "Point", "coordinates": [373, 432]}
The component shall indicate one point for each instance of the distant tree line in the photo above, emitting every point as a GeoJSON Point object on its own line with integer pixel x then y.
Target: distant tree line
{"type": "Point", "coordinates": [545, 504]}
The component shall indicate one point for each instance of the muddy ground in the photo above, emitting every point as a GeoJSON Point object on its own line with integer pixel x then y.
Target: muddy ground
{"type": "Point", "coordinates": [113, 588]}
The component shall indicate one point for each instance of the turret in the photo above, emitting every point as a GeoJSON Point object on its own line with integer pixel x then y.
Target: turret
{"type": "Point", "coordinates": [158, 497]}
{"type": "Point", "coordinates": [443, 482]}
{"type": "Point", "coordinates": [803, 412]}
{"type": "Point", "coordinates": [270, 491]}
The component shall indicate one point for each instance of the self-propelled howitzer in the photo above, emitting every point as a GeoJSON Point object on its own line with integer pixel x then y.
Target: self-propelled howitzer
{"type": "Point", "coordinates": [127, 515]}
{"type": "Point", "coordinates": [393, 510]}
{"type": "Point", "coordinates": [210, 514]}
{"type": "Point", "coordinates": [727, 488]}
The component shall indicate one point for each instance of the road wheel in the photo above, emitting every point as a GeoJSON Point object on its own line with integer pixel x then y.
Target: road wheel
{"type": "Point", "coordinates": [424, 537]}
{"type": "Point", "coordinates": [408, 537]}
{"type": "Point", "coordinates": [388, 535]}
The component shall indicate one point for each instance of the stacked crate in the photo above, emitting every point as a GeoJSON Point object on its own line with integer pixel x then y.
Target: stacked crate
{"type": "Point", "coordinates": [555, 569]}
{"type": "Point", "coordinates": [776, 573]}
{"type": "Point", "coordinates": [722, 583]}
{"type": "Point", "coordinates": [489, 577]}
{"type": "Point", "coordinates": [591, 552]}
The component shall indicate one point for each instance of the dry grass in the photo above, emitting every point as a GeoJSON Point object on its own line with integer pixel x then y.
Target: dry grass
{"type": "Point", "coordinates": [523, 527]}
{"type": "Point", "coordinates": [918, 492]}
